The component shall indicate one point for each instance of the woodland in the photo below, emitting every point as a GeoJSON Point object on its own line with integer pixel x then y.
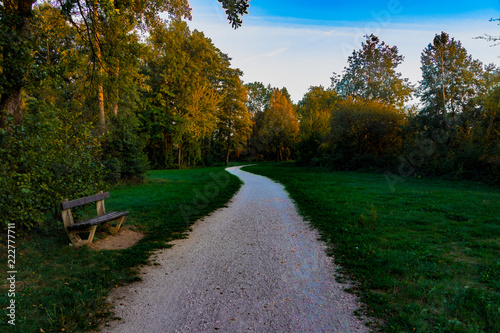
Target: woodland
{"type": "Point", "coordinates": [94, 93]}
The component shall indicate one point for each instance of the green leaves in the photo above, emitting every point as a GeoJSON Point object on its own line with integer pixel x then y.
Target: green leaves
{"type": "Point", "coordinates": [450, 77]}
{"type": "Point", "coordinates": [195, 97]}
{"type": "Point", "coordinates": [371, 75]}
{"type": "Point", "coordinates": [235, 9]}
{"type": "Point", "coordinates": [364, 133]}
{"type": "Point", "coordinates": [44, 163]}
{"type": "Point", "coordinates": [280, 126]}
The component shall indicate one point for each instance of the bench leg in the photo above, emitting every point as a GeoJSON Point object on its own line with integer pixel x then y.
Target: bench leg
{"type": "Point", "coordinates": [76, 239]}
{"type": "Point", "coordinates": [114, 230]}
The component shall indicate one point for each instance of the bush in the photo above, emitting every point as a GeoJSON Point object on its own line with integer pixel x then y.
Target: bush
{"type": "Point", "coordinates": [124, 149]}
{"type": "Point", "coordinates": [309, 151]}
{"type": "Point", "coordinates": [52, 156]}
{"type": "Point", "coordinates": [364, 134]}
{"type": "Point", "coordinates": [462, 151]}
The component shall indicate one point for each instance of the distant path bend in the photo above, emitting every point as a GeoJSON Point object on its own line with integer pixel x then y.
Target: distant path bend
{"type": "Point", "coordinates": [254, 266]}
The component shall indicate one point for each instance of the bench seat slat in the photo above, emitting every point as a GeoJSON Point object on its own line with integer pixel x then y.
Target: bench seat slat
{"type": "Point", "coordinates": [97, 220]}
{"type": "Point", "coordinates": [83, 201]}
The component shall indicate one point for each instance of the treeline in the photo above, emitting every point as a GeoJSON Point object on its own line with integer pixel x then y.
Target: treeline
{"type": "Point", "coordinates": [100, 92]}
{"type": "Point", "coordinates": [363, 120]}
{"type": "Point", "coordinates": [97, 92]}
{"type": "Point", "coordinates": [372, 118]}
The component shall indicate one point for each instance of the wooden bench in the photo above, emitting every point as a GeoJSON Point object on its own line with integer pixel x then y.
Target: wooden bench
{"type": "Point", "coordinates": [89, 226]}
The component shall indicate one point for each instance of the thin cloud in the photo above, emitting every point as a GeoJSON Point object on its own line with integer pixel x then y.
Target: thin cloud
{"type": "Point", "coordinates": [290, 53]}
{"type": "Point", "coordinates": [276, 52]}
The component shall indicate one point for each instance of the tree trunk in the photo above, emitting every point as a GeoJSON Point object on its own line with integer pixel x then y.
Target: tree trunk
{"type": "Point", "coordinates": [209, 152]}
{"type": "Point", "coordinates": [99, 64]}
{"type": "Point", "coordinates": [100, 102]}
{"type": "Point", "coordinates": [11, 103]}
{"type": "Point", "coordinates": [227, 155]}
{"type": "Point", "coordinates": [117, 91]}
{"type": "Point", "coordinates": [490, 125]}
{"type": "Point", "coordinates": [17, 14]}
{"type": "Point", "coordinates": [443, 88]}
{"type": "Point", "coordinates": [180, 155]}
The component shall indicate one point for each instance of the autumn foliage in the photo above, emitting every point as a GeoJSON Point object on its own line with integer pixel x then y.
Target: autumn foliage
{"type": "Point", "coordinates": [93, 93]}
{"type": "Point", "coordinates": [280, 126]}
{"type": "Point", "coordinates": [364, 134]}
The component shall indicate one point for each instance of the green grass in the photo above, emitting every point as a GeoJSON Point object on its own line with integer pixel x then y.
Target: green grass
{"type": "Point", "coordinates": [61, 288]}
{"type": "Point", "coordinates": [425, 257]}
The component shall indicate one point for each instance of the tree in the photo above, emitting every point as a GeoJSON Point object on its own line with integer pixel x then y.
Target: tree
{"type": "Point", "coordinates": [371, 75]}
{"type": "Point", "coordinates": [107, 23]}
{"type": "Point", "coordinates": [259, 97]}
{"type": "Point", "coordinates": [184, 68]}
{"type": "Point", "coordinates": [364, 134]}
{"type": "Point", "coordinates": [313, 112]}
{"type": "Point", "coordinates": [15, 30]}
{"type": "Point", "coordinates": [491, 110]}
{"type": "Point", "coordinates": [451, 79]}
{"type": "Point", "coordinates": [195, 96]}
{"type": "Point", "coordinates": [280, 126]}
{"type": "Point", "coordinates": [58, 59]}
{"type": "Point", "coordinates": [234, 123]}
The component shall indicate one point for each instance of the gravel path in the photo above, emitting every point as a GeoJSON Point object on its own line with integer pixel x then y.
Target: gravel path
{"type": "Point", "coordinates": [254, 266]}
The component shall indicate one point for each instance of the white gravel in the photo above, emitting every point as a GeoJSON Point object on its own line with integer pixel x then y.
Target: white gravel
{"type": "Point", "coordinates": [255, 266]}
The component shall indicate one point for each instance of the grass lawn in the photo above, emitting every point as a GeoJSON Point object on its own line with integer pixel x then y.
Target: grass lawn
{"type": "Point", "coordinates": [63, 289]}
{"type": "Point", "coordinates": [426, 256]}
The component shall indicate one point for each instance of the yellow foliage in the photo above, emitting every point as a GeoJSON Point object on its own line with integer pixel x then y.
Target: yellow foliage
{"type": "Point", "coordinates": [280, 126]}
{"type": "Point", "coordinates": [366, 127]}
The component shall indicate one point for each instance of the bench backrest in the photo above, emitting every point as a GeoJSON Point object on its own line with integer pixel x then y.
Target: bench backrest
{"type": "Point", "coordinates": [83, 201]}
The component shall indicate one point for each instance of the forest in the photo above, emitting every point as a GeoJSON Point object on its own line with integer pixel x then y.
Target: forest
{"type": "Point", "coordinates": [96, 93]}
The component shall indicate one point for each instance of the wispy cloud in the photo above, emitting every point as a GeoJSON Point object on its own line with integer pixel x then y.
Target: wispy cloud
{"type": "Point", "coordinates": [276, 52]}
{"type": "Point", "coordinates": [298, 54]}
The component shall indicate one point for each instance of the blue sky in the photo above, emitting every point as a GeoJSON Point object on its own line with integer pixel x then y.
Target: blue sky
{"type": "Point", "coordinates": [298, 44]}
{"type": "Point", "coordinates": [363, 10]}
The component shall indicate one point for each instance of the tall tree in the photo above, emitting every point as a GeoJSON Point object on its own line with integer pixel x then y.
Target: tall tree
{"type": "Point", "coordinates": [194, 92]}
{"type": "Point", "coordinates": [234, 123]}
{"type": "Point", "coordinates": [451, 79]}
{"type": "Point", "coordinates": [259, 97]}
{"type": "Point", "coordinates": [371, 74]}
{"type": "Point", "coordinates": [15, 30]}
{"type": "Point", "coordinates": [107, 22]}
{"type": "Point", "coordinates": [58, 59]}
{"type": "Point", "coordinates": [314, 111]}
{"type": "Point", "coordinates": [15, 47]}
{"type": "Point", "coordinates": [280, 126]}
{"type": "Point", "coordinates": [364, 133]}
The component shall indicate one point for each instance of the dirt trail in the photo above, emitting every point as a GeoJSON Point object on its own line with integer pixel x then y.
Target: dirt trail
{"type": "Point", "coordinates": [254, 266]}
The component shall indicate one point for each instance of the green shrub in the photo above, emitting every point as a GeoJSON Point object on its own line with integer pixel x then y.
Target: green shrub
{"type": "Point", "coordinates": [364, 134]}
{"type": "Point", "coordinates": [52, 156]}
{"type": "Point", "coordinates": [124, 150]}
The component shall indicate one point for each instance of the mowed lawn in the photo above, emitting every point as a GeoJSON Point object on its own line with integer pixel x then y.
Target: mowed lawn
{"type": "Point", "coordinates": [63, 289]}
{"type": "Point", "coordinates": [424, 254]}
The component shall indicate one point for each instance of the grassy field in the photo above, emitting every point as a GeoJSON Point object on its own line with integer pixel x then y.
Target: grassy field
{"type": "Point", "coordinates": [63, 289]}
{"type": "Point", "coordinates": [425, 257]}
